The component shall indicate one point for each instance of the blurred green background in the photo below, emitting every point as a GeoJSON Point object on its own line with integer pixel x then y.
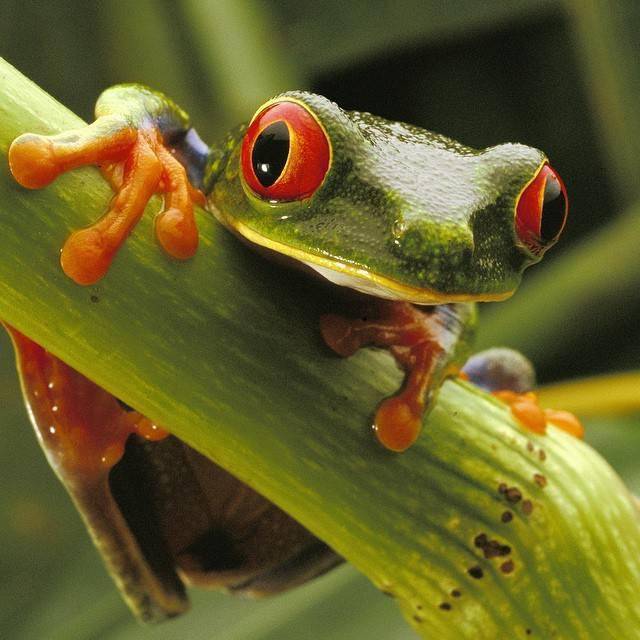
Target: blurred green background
{"type": "Point", "coordinates": [562, 76]}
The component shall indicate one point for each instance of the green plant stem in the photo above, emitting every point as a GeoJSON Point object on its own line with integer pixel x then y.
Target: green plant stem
{"type": "Point", "coordinates": [606, 395]}
{"type": "Point", "coordinates": [225, 351]}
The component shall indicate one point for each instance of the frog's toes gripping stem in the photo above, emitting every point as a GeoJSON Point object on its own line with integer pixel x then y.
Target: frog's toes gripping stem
{"type": "Point", "coordinates": [511, 378]}
{"type": "Point", "coordinates": [424, 342]}
{"type": "Point", "coordinates": [131, 152]}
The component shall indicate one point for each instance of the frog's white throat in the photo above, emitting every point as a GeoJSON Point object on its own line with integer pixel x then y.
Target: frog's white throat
{"type": "Point", "coordinates": [355, 282]}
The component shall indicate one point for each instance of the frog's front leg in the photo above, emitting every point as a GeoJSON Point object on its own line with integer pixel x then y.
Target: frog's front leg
{"type": "Point", "coordinates": [428, 343]}
{"type": "Point", "coordinates": [130, 140]}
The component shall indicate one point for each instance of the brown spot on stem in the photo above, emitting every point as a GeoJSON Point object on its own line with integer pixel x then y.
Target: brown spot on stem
{"type": "Point", "coordinates": [540, 480]}
{"type": "Point", "coordinates": [491, 548]}
{"type": "Point", "coordinates": [542, 455]}
{"type": "Point", "coordinates": [94, 298]}
{"type": "Point", "coordinates": [507, 566]}
{"type": "Point", "coordinates": [513, 494]}
{"type": "Point", "coordinates": [502, 488]}
{"type": "Point", "coordinates": [527, 507]}
{"type": "Point", "coordinates": [481, 540]}
{"type": "Point", "coordinates": [507, 516]}
{"type": "Point", "coordinates": [530, 446]}
{"type": "Point", "coordinates": [445, 606]}
{"type": "Point", "coordinates": [456, 593]}
{"type": "Point", "coordinates": [528, 632]}
{"type": "Point", "coordinates": [475, 572]}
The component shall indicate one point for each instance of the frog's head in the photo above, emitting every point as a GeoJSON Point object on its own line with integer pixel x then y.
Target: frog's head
{"type": "Point", "coordinates": [387, 208]}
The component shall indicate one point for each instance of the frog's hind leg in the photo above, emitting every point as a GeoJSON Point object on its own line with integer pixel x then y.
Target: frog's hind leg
{"type": "Point", "coordinates": [428, 343]}
{"type": "Point", "coordinates": [83, 430]}
{"type": "Point", "coordinates": [129, 140]}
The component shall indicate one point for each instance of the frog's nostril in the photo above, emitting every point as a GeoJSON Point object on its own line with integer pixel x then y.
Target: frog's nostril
{"type": "Point", "coordinates": [541, 211]}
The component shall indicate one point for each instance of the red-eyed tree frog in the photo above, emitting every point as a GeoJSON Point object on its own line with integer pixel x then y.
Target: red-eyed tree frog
{"type": "Point", "coordinates": [420, 226]}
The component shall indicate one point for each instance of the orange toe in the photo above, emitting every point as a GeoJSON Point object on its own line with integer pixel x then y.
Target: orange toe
{"type": "Point", "coordinates": [32, 161]}
{"type": "Point", "coordinates": [177, 233]}
{"type": "Point", "coordinates": [566, 421]}
{"type": "Point", "coordinates": [85, 258]}
{"type": "Point", "coordinates": [396, 424]}
{"type": "Point", "coordinates": [527, 411]}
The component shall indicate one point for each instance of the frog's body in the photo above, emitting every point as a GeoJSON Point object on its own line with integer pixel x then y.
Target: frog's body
{"type": "Point", "coordinates": [405, 216]}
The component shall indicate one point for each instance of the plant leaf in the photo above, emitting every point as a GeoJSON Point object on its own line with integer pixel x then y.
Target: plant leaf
{"type": "Point", "coordinates": [224, 350]}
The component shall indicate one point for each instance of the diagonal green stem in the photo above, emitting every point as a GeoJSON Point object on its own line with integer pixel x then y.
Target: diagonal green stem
{"type": "Point", "coordinates": [225, 350]}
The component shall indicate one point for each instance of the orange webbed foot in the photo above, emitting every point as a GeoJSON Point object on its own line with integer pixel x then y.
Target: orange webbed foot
{"type": "Point", "coordinates": [420, 340]}
{"type": "Point", "coordinates": [138, 164]}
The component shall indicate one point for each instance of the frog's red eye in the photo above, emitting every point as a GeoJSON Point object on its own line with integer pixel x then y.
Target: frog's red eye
{"type": "Point", "coordinates": [542, 210]}
{"type": "Point", "coordinates": [285, 153]}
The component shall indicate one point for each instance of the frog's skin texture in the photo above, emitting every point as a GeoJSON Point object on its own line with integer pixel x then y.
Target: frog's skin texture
{"type": "Point", "coordinates": [419, 226]}
{"type": "Point", "coordinates": [426, 218]}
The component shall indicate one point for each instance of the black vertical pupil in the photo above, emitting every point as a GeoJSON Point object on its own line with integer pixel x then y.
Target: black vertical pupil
{"type": "Point", "coordinates": [270, 153]}
{"type": "Point", "coordinates": [553, 210]}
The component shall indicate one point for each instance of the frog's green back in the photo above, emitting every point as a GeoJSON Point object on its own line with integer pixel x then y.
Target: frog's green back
{"type": "Point", "coordinates": [402, 212]}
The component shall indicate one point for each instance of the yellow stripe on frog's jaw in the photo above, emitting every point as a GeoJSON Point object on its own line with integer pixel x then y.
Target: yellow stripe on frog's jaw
{"type": "Point", "coordinates": [354, 277]}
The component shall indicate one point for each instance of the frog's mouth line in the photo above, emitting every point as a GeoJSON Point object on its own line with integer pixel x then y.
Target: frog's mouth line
{"type": "Point", "coordinates": [354, 277]}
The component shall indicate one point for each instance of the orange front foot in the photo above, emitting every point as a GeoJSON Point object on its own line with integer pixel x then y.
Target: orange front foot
{"type": "Point", "coordinates": [137, 164]}
{"type": "Point", "coordinates": [422, 342]}
{"type": "Point", "coordinates": [525, 408]}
